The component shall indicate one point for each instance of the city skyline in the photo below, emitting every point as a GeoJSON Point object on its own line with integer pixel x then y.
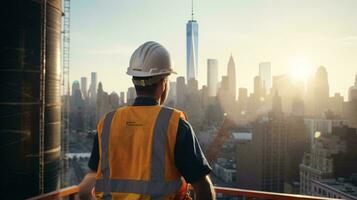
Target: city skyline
{"type": "Point", "coordinates": [308, 36]}
{"type": "Point", "coordinates": [212, 67]}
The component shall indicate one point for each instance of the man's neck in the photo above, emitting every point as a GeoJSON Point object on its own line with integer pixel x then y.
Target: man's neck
{"type": "Point", "coordinates": [150, 97]}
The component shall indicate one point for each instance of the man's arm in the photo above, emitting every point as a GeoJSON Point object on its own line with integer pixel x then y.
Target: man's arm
{"type": "Point", "coordinates": [86, 186]}
{"type": "Point", "coordinates": [204, 189]}
{"type": "Point", "coordinates": [88, 182]}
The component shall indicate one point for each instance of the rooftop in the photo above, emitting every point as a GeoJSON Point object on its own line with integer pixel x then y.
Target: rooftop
{"type": "Point", "coordinates": [339, 185]}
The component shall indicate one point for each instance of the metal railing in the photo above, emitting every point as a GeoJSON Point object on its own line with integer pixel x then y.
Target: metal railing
{"type": "Point", "coordinates": [72, 192]}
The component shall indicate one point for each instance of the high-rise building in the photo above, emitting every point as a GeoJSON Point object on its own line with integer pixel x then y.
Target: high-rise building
{"type": "Point", "coordinates": [332, 155]}
{"type": "Point", "coordinates": [298, 107]}
{"type": "Point", "coordinates": [76, 119]}
{"type": "Point", "coordinates": [192, 48]}
{"type": "Point", "coordinates": [263, 162]}
{"type": "Point", "coordinates": [84, 88]}
{"type": "Point", "coordinates": [93, 86]}
{"type": "Point", "coordinates": [277, 105]}
{"type": "Point", "coordinates": [102, 101]}
{"type": "Point", "coordinates": [212, 77]}
{"type": "Point", "coordinates": [242, 100]}
{"type": "Point", "coordinates": [192, 86]}
{"type": "Point", "coordinates": [122, 98]}
{"type": "Point", "coordinates": [265, 75]}
{"type": "Point", "coordinates": [171, 98]}
{"type": "Point", "coordinates": [204, 95]}
{"type": "Point", "coordinates": [180, 91]}
{"type": "Point", "coordinates": [352, 92]}
{"type": "Point", "coordinates": [130, 96]}
{"type": "Point", "coordinates": [172, 91]}
{"type": "Point", "coordinates": [75, 86]}
{"type": "Point", "coordinates": [288, 91]}
{"type": "Point", "coordinates": [113, 100]}
{"type": "Point", "coordinates": [321, 91]}
{"type": "Point", "coordinates": [257, 87]}
{"type": "Point", "coordinates": [335, 104]}
{"type": "Point", "coordinates": [352, 105]}
{"type": "Point", "coordinates": [231, 74]}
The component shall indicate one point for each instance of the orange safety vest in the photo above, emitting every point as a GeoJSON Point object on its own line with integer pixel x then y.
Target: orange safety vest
{"type": "Point", "coordinates": [136, 148]}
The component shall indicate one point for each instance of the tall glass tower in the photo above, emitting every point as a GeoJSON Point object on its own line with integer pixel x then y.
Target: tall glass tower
{"type": "Point", "coordinates": [192, 48]}
{"type": "Point", "coordinates": [265, 75]}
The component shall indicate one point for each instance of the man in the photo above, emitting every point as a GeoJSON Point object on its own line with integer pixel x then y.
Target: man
{"type": "Point", "coordinates": [147, 151]}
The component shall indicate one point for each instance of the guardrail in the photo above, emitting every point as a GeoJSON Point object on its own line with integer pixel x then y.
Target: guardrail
{"type": "Point", "coordinates": [71, 193]}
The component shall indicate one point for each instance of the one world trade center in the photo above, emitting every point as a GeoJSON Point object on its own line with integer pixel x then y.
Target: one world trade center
{"type": "Point", "coordinates": [192, 48]}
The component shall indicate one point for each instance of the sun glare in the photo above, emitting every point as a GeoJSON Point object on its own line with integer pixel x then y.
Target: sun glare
{"type": "Point", "coordinates": [301, 71]}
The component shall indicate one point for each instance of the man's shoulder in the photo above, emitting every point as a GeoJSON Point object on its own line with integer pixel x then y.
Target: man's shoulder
{"type": "Point", "coordinates": [182, 115]}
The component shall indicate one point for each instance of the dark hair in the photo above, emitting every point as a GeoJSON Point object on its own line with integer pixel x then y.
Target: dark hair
{"type": "Point", "coordinates": [148, 90]}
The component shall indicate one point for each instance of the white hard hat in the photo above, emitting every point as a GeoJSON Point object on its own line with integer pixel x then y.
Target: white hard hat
{"type": "Point", "coordinates": [150, 59]}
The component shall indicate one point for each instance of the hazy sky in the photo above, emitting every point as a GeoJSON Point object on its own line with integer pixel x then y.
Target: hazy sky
{"type": "Point", "coordinates": [284, 32]}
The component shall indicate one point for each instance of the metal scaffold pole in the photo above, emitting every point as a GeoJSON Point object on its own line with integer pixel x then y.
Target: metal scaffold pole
{"type": "Point", "coordinates": [42, 99]}
{"type": "Point", "coordinates": [65, 91]}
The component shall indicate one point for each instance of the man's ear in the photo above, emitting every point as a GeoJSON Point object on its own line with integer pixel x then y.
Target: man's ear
{"type": "Point", "coordinates": [163, 84]}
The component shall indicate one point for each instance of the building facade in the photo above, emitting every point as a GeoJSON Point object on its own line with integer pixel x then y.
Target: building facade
{"type": "Point", "coordinates": [265, 75]}
{"type": "Point", "coordinates": [192, 49]}
{"type": "Point", "coordinates": [332, 155]}
{"type": "Point", "coordinates": [84, 88]}
{"type": "Point", "coordinates": [212, 77]}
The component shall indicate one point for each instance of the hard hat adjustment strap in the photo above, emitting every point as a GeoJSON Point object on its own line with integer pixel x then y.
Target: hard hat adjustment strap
{"type": "Point", "coordinates": [147, 82]}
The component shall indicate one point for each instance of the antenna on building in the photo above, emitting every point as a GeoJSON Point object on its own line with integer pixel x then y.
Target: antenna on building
{"type": "Point", "coordinates": [192, 9]}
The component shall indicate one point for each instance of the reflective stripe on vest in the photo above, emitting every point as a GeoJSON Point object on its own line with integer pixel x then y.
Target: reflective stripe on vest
{"type": "Point", "coordinates": [157, 186]}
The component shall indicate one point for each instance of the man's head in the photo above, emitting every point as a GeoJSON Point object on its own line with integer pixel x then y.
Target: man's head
{"type": "Point", "coordinates": [150, 66]}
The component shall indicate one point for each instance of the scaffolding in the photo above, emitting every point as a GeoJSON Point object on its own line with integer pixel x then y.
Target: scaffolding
{"type": "Point", "coordinates": [41, 151]}
{"type": "Point", "coordinates": [65, 91]}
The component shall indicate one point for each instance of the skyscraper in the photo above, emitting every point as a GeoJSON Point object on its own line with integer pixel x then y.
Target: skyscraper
{"type": "Point", "coordinates": [242, 100]}
{"type": "Point", "coordinates": [265, 75]}
{"type": "Point", "coordinates": [75, 86]}
{"type": "Point", "coordinates": [270, 159]}
{"type": "Point", "coordinates": [212, 76]}
{"type": "Point", "coordinates": [130, 95]}
{"type": "Point", "coordinates": [257, 87]}
{"type": "Point", "coordinates": [231, 74]}
{"type": "Point", "coordinates": [181, 91]}
{"type": "Point", "coordinates": [321, 91]}
{"type": "Point", "coordinates": [122, 98]}
{"type": "Point", "coordinates": [84, 86]}
{"type": "Point", "coordinates": [352, 92]}
{"type": "Point", "coordinates": [192, 48]}
{"type": "Point", "coordinates": [93, 86]}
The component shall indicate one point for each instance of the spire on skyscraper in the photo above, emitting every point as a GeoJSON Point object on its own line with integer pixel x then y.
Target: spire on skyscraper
{"type": "Point", "coordinates": [192, 9]}
{"type": "Point", "coordinates": [231, 61]}
{"type": "Point", "coordinates": [231, 73]}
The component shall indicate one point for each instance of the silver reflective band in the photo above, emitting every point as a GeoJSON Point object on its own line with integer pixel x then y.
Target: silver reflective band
{"type": "Point", "coordinates": [157, 186]}
{"type": "Point", "coordinates": [159, 144]}
{"type": "Point", "coordinates": [105, 153]}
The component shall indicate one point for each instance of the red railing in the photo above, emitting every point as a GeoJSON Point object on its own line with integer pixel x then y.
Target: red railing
{"type": "Point", "coordinates": [71, 193]}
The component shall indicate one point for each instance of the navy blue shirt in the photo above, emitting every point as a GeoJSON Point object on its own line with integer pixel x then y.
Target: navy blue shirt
{"type": "Point", "coordinates": [189, 158]}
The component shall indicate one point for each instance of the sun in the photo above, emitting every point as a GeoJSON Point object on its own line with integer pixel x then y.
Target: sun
{"type": "Point", "coordinates": [300, 71]}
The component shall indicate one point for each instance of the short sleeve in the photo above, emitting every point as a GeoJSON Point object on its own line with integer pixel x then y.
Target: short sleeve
{"type": "Point", "coordinates": [94, 156]}
{"type": "Point", "coordinates": [189, 158]}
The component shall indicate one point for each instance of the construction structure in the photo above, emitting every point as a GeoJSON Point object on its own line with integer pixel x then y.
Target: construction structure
{"type": "Point", "coordinates": [31, 106]}
{"type": "Point", "coordinates": [65, 90]}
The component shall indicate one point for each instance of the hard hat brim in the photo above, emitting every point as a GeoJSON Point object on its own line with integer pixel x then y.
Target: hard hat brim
{"type": "Point", "coordinates": [148, 74]}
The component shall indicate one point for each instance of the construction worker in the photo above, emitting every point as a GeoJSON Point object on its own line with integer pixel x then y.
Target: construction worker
{"type": "Point", "coordinates": [147, 151]}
